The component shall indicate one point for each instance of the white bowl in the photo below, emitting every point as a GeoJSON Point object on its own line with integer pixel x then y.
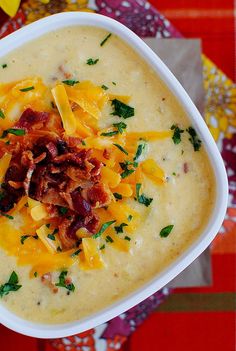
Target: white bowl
{"type": "Point", "coordinates": [54, 22]}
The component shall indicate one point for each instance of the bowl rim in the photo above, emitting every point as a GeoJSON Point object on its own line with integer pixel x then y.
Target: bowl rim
{"type": "Point", "coordinates": [61, 20]}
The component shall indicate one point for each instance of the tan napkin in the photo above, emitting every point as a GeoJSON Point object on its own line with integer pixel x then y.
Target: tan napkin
{"type": "Point", "coordinates": [183, 58]}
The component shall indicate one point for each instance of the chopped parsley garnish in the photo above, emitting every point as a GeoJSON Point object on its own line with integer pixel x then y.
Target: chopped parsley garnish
{"type": "Point", "coordinates": [114, 83]}
{"type": "Point", "coordinates": [103, 228]}
{"type": "Point", "coordinates": [166, 231]}
{"type": "Point", "coordinates": [2, 114]}
{"type": "Point", "coordinates": [127, 238]}
{"type": "Point", "coordinates": [102, 247]}
{"type": "Point", "coordinates": [109, 239]}
{"type": "Point", "coordinates": [70, 82]}
{"type": "Point", "coordinates": [105, 39]}
{"type": "Point", "coordinates": [27, 89]}
{"type": "Point", "coordinates": [83, 142]}
{"type": "Point", "coordinates": [140, 149]}
{"type": "Point", "coordinates": [76, 253]}
{"type": "Point", "coordinates": [4, 65]}
{"type": "Point", "coordinates": [62, 282]}
{"type": "Point", "coordinates": [35, 274]}
{"type": "Point", "coordinates": [109, 134]}
{"type": "Point", "coordinates": [48, 225]}
{"type": "Point", "coordinates": [63, 210]}
{"type": "Point", "coordinates": [91, 61]}
{"type": "Point", "coordinates": [117, 196]}
{"type": "Point", "coordinates": [121, 126]}
{"type": "Point", "coordinates": [174, 174]}
{"type": "Point", "coordinates": [7, 142]}
{"type": "Point", "coordinates": [195, 141]}
{"type": "Point", "coordinates": [142, 199]}
{"type": "Point", "coordinates": [51, 237]}
{"type": "Point", "coordinates": [17, 132]}
{"type": "Point", "coordinates": [130, 217]}
{"type": "Point", "coordinates": [11, 285]}
{"type": "Point", "coordinates": [177, 134]}
{"type": "Point", "coordinates": [125, 166]}
{"type": "Point", "coordinates": [121, 109]}
{"type": "Point", "coordinates": [6, 215]}
{"type": "Point", "coordinates": [121, 148]}
{"type": "Point", "coordinates": [119, 228]}
{"type": "Point", "coordinates": [23, 238]}
{"type": "Point", "coordinates": [104, 87]}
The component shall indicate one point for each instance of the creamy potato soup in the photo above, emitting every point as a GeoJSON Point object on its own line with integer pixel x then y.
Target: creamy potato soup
{"type": "Point", "coordinates": [104, 181]}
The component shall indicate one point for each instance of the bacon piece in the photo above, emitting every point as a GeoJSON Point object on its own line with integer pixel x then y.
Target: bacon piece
{"type": "Point", "coordinates": [98, 195]}
{"type": "Point", "coordinates": [80, 205]}
{"type": "Point", "coordinates": [40, 158]}
{"type": "Point", "coordinates": [185, 167]}
{"type": "Point", "coordinates": [15, 185]}
{"type": "Point", "coordinates": [52, 196]}
{"type": "Point", "coordinates": [67, 241]}
{"type": "Point", "coordinates": [97, 165]}
{"type": "Point", "coordinates": [46, 279]}
{"type": "Point", "coordinates": [32, 120]}
{"type": "Point", "coordinates": [107, 154]}
{"type": "Point", "coordinates": [28, 161]}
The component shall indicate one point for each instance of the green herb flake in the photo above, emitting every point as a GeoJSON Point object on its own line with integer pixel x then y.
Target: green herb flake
{"type": "Point", "coordinates": [125, 166]}
{"type": "Point", "coordinates": [35, 274]}
{"type": "Point", "coordinates": [121, 109]}
{"type": "Point", "coordinates": [119, 228]}
{"type": "Point", "coordinates": [14, 131]}
{"type": "Point", "coordinates": [130, 217]}
{"type": "Point", "coordinates": [6, 215]}
{"type": "Point", "coordinates": [27, 89]}
{"type": "Point", "coordinates": [166, 231]}
{"type": "Point", "coordinates": [109, 239]}
{"type": "Point", "coordinates": [48, 225]}
{"type": "Point", "coordinates": [174, 174]}
{"type": "Point", "coordinates": [4, 65]}
{"type": "Point", "coordinates": [92, 62]}
{"type": "Point", "coordinates": [102, 247]}
{"type": "Point", "coordinates": [62, 282]}
{"type": "Point", "coordinates": [110, 134]}
{"type": "Point", "coordinates": [11, 285]}
{"type": "Point", "coordinates": [63, 210]}
{"type": "Point", "coordinates": [127, 238]}
{"type": "Point", "coordinates": [105, 39]}
{"type": "Point", "coordinates": [177, 134]}
{"type": "Point", "coordinates": [23, 238]}
{"type": "Point", "coordinates": [70, 82]}
{"type": "Point", "coordinates": [59, 249]}
{"type": "Point", "coordinates": [117, 196]}
{"type": "Point", "coordinates": [121, 148]}
{"type": "Point", "coordinates": [104, 87]}
{"type": "Point", "coordinates": [121, 126]}
{"type": "Point", "coordinates": [142, 199]}
{"type": "Point", "coordinates": [76, 253]}
{"type": "Point", "coordinates": [114, 83]}
{"type": "Point", "coordinates": [83, 142]}
{"type": "Point", "coordinates": [140, 149]}
{"type": "Point", "coordinates": [7, 142]}
{"type": "Point", "coordinates": [2, 114]}
{"type": "Point", "coordinates": [195, 141]}
{"type": "Point", "coordinates": [51, 237]}
{"type": "Point", "coordinates": [103, 228]}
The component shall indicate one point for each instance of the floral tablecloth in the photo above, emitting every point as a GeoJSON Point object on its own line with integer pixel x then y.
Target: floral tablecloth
{"type": "Point", "coordinates": [220, 116]}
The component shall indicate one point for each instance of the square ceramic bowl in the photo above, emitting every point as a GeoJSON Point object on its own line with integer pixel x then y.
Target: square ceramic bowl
{"type": "Point", "coordinates": [37, 29]}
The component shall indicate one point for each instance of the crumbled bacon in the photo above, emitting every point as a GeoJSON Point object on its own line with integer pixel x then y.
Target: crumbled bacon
{"type": "Point", "coordinates": [56, 171]}
{"type": "Point", "coordinates": [98, 195]}
{"type": "Point", "coordinates": [46, 279]}
{"type": "Point", "coordinates": [185, 167]}
{"type": "Point", "coordinates": [32, 120]}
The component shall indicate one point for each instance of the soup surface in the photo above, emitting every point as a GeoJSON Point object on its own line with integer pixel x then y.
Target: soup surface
{"type": "Point", "coordinates": [172, 211]}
